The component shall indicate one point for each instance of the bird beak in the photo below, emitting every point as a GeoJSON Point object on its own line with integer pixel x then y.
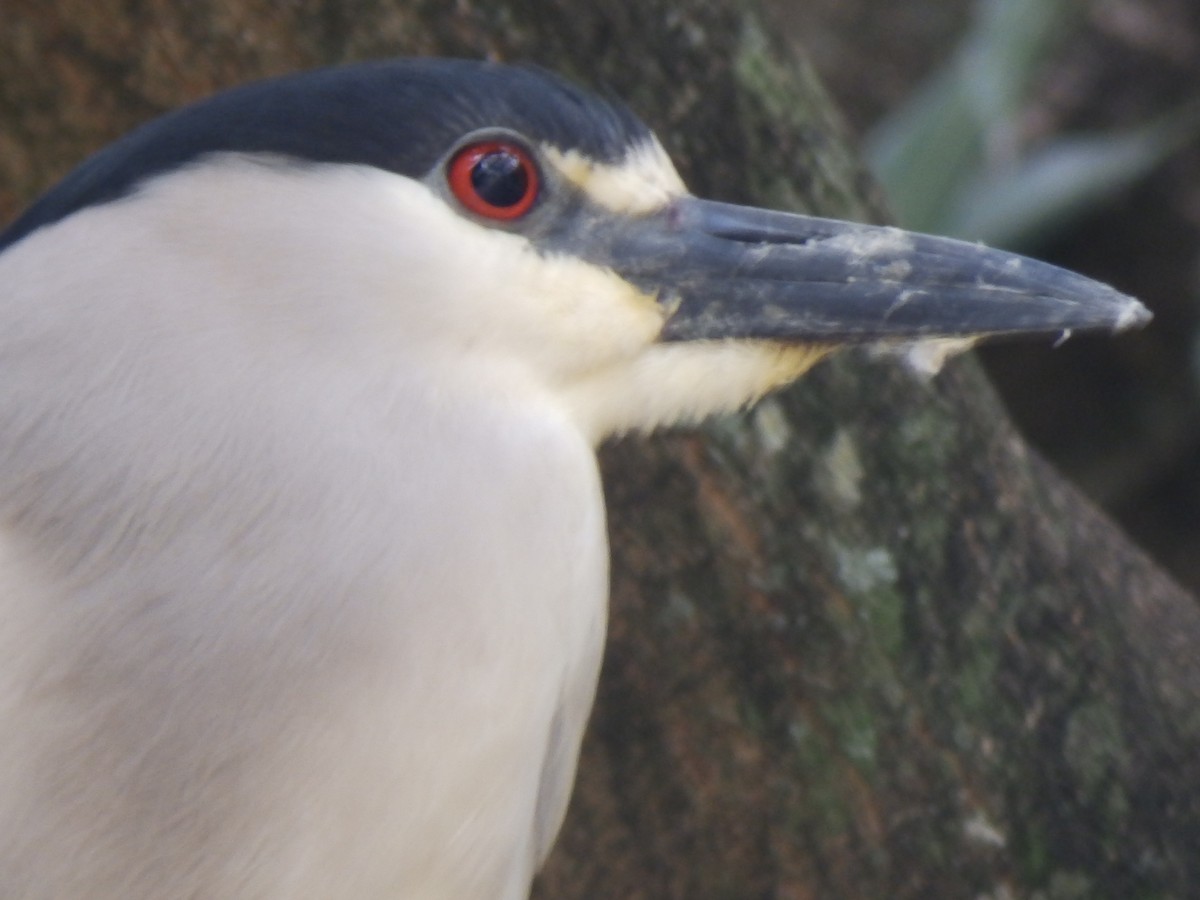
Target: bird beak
{"type": "Point", "coordinates": [724, 271]}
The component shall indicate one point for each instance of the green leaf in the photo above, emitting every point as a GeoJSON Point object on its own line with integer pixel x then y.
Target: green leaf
{"type": "Point", "coordinates": [1021, 204]}
{"type": "Point", "coordinates": [934, 145]}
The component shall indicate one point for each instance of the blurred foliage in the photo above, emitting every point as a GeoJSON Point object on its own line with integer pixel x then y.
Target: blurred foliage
{"type": "Point", "coordinates": [953, 159]}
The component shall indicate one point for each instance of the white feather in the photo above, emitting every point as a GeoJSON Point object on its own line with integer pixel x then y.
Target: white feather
{"type": "Point", "coordinates": [303, 565]}
{"type": "Point", "coordinates": [294, 590]}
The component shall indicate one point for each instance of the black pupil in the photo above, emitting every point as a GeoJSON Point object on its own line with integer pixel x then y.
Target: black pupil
{"type": "Point", "coordinates": [500, 178]}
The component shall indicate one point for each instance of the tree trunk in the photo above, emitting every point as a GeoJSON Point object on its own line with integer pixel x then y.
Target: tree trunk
{"type": "Point", "coordinates": [863, 644]}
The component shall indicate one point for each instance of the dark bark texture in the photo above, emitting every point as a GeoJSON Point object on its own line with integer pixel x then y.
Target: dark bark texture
{"type": "Point", "coordinates": [863, 643]}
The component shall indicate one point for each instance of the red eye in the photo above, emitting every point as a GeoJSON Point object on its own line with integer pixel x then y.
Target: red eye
{"type": "Point", "coordinates": [496, 179]}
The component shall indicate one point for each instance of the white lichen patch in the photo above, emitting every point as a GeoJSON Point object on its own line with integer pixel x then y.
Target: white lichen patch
{"type": "Point", "coordinates": [869, 242]}
{"type": "Point", "coordinates": [925, 357]}
{"type": "Point", "coordinates": [771, 427]}
{"type": "Point", "coordinates": [841, 472]}
{"type": "Point", "coordinates": [981, 831]}
{"type": "Point", "coordinates": [896, 270]}
{"type": "Point", "coordinates": [862, 569]}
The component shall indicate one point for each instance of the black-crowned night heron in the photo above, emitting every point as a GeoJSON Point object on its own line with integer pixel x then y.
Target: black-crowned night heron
{"type": "Point", "coordinates": [302, 544]}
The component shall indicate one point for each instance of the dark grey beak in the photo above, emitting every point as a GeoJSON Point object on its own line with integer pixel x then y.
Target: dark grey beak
{"type": "Point", "coordinates": [727, 271]}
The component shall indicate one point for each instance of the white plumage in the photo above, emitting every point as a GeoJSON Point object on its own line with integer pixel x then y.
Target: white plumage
{"type": "Point", "coordinates": [285, 561]}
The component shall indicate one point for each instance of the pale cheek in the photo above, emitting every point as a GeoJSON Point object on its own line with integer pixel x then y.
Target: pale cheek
{"type": "Point", "coordinates": [590, 315]}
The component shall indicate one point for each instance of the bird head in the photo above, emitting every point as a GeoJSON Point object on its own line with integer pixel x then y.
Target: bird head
{"type": "Point", "coordinates": [501, 227]}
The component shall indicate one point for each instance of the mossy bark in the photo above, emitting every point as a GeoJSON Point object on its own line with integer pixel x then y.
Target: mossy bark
{"type": "Point", "coordinates": [863, 643]}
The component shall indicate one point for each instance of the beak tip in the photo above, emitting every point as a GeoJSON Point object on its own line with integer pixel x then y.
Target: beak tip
{"type": "Point", "coordinates": [1132, 314]}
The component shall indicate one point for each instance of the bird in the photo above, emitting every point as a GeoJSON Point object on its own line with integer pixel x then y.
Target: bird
{"type": "Point", "coordinates": [303, 556]}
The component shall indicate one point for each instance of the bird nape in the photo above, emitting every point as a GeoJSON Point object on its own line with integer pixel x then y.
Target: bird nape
{"type": "Point", "coordinates": [303, 564]}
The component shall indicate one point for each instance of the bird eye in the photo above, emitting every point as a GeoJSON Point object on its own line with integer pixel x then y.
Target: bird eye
{"type": "Point", "coordinates": [495, 179]}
